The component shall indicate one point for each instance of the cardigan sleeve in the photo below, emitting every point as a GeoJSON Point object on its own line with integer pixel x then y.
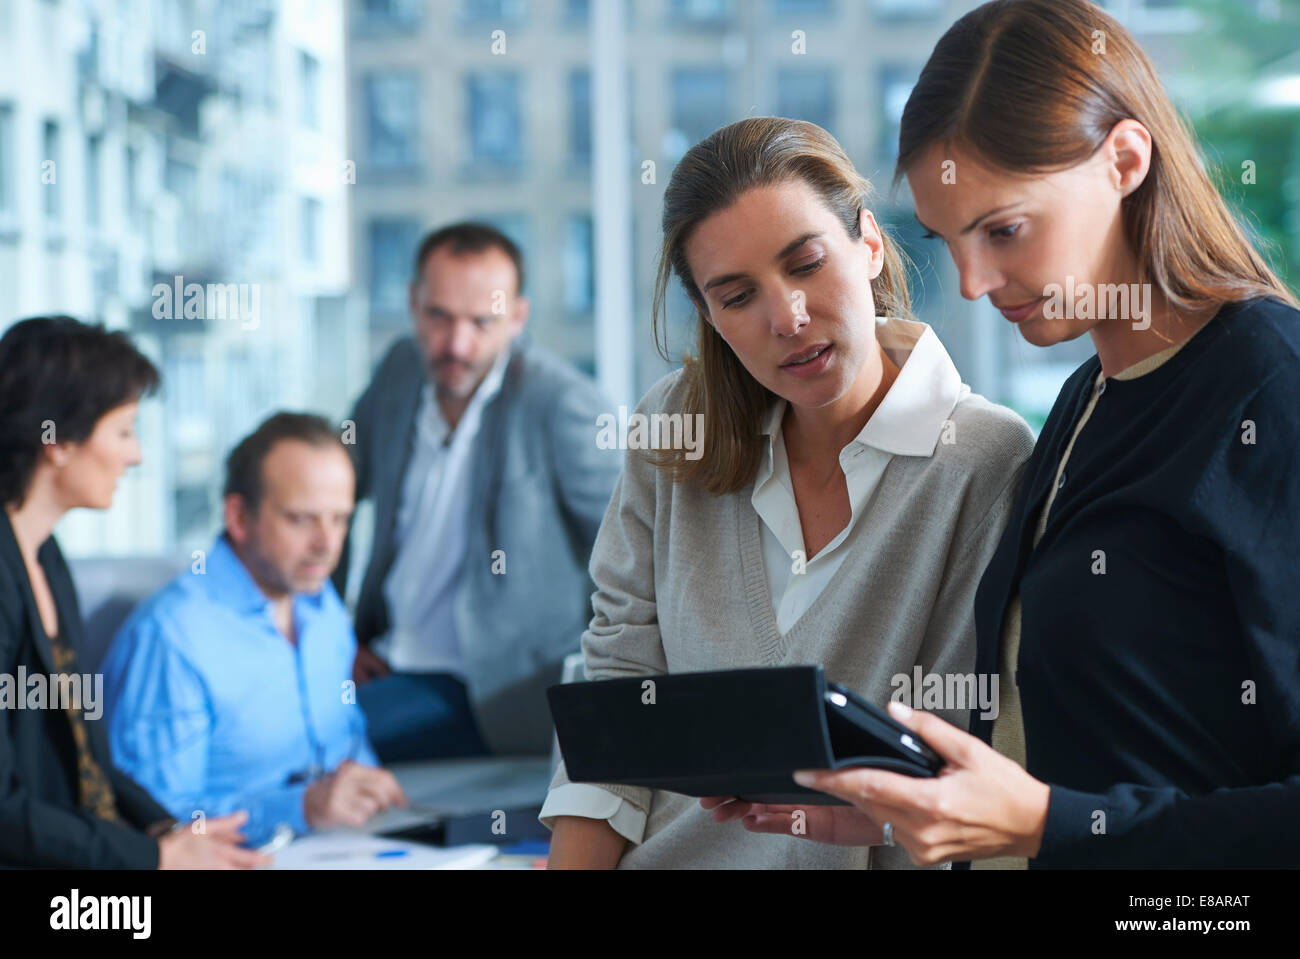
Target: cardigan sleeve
{"type": "Point", "coordinates": [1249, 499]}
{"type": "Point", "coordinates": [623, 637]}
{"type": "Point", "coordinates": [996, 470]}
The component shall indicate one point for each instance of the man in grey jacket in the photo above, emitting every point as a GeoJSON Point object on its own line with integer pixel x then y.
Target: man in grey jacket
{"type": "Point", "coordinates": [480, 452]}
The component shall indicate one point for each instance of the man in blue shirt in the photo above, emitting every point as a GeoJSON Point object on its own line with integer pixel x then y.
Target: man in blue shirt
{"type": "Point", "coordinates": [231, 687]}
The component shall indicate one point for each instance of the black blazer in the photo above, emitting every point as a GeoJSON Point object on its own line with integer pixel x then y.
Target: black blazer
{"type": "Point", "coordinates": [41, 821]}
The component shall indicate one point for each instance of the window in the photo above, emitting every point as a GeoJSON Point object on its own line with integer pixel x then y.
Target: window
{"type": "Point", "coordinates": [50, 169]}
{"type": "Point", "coordinates": [580, 117]}
{"type": "Point", "coordinates": [88, 57]}
{"type": "Point", "coordinates": [389, 13]}
{"type": "Point", "coordinates": [494, 11]}
{"type": "Point", "coordinates": [6, 158]}
{"type": "Point", "coordinates": [807, 95]}
{"type": "Point", "coordinates": [700, 12]}
{"type": "Point", "coordinates": [701, 104]}
{"type": "Point", "coordinates": [310, 225]}
{"type": "Point", "coordinates": [94, 151]}
{"type": "Point", "coordinates": [186, 392]}
{"type": "Point", "coordinates": [1175, 16]}
{"type": "Point", "coordinates": [577, 13]}
{"type": "Point", "coordinates": [247, 67]}
{"type": "Point", "coordinates": [235, 200]}
{"type": "Point", "coordinates": [133, 187]}
{"type": "Point", "coordinates": [392, 251]}
{"type": "Point", "coordinates": [908, 9]}
{"type": "Point", "coordinates": [392, 119]}
{"type": "Point", "coordinates": [895, 87]}
{"type": "Point", "coordinates": [309, 83]}
{"type": "Point", "coordinates": [181, 179]}
{"type": "Point", "coordinates": [784, 7]}
{"type": "Point", "coordinates": [495, 126]}
{"type": "Point", "coordinates": [193, 504]}
{"type": "Point", "coordinates": [579, 283]}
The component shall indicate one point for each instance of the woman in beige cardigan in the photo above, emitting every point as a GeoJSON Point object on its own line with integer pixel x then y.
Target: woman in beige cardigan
{"type": "Point", "coordinates": [848, 492]}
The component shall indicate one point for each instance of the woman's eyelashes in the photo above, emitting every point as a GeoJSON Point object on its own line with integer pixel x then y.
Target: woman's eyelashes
{"type": "Point", "coordinates": [809, 268]}
{"type": "Point", "coordinates": [743, 297]}
{"type": "Point", "coordinates": [997, 233]}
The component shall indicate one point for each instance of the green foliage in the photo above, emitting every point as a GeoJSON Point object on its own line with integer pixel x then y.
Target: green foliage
{"type": "Point", "coordinates": [1234, 52]}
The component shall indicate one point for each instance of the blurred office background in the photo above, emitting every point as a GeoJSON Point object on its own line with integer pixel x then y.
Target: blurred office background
{"type": "Point", "coordinates": [304, 146]}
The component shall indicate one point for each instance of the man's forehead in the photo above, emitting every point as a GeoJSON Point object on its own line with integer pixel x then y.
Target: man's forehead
{"type": "Point", "coordinates": [468, 274]}
{"type": "Point", "coordinates": [295, 463]}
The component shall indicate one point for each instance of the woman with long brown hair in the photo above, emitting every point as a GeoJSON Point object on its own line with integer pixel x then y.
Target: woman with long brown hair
{"type": "Point", "coordinates": [1142, 608]}
{"type": "Point", "coordinates": [848, 492]}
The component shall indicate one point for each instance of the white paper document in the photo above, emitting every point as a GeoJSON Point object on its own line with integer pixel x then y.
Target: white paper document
{"type": "Point", "coordinates": [354, 850]}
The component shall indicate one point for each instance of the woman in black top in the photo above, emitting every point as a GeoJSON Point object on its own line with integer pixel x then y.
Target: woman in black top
{"type": "Point", "coordinates": [1143, 608]}
{"type": "Point", "coordinates": [68, 393]}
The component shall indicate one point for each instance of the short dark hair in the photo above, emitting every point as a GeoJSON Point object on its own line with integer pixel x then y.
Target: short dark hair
{"type": "Point", "coordinates": [244, 464]}
{"type": "Point", "coordinates": [70, 373]}
{"type": "Point", "coordinates": [470, 237]}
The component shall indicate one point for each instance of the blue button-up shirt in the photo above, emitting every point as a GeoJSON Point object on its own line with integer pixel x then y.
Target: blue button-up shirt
{"type": "Point", "coordinates": [211, 709]}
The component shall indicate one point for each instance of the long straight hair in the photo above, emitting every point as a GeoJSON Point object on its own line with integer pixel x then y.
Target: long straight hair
{"type": "Point", "coordinates": [1034, 86]}
{"type": "Point", "coordinates": [755, 152]}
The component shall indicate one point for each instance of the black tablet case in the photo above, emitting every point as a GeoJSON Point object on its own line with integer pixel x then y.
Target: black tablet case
{"type": "Point", "coordinates": [738, 732]}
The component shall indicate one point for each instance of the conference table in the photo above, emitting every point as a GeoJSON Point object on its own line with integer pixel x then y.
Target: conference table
{"type": "Point", "coordinates": [486, 798]}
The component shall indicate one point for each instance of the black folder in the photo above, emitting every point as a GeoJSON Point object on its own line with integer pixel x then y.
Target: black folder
{"type": "Point", "coordinates": [736, 732]}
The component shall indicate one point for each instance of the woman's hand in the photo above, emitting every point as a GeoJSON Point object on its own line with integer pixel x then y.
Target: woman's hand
{"type": "Point", "coordinates": [836, 825]}
{"type": "Point", "coordinates": [981, 804]}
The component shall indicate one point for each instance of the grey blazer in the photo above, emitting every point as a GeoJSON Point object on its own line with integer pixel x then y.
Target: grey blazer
{"type": "Point", "coordinates": [540, 488]}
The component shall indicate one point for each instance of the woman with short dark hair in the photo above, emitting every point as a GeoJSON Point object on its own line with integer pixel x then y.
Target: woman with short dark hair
{"type": "Point", "coordinates": [69, 393]}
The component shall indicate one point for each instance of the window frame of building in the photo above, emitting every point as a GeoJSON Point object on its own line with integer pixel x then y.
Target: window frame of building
{"type": "Point", "coordinates": [477, 88]}
{"type": "Point", "coordinates": [391, 301]}
{"type": "Point", "coordinates": [407, 159]}
{"type": "Point", "coordinates": [787, 77]}
{"type": "Point", "coordinates": [309, 80]}
{"type": "Point", "coordinates": [51, 147]}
